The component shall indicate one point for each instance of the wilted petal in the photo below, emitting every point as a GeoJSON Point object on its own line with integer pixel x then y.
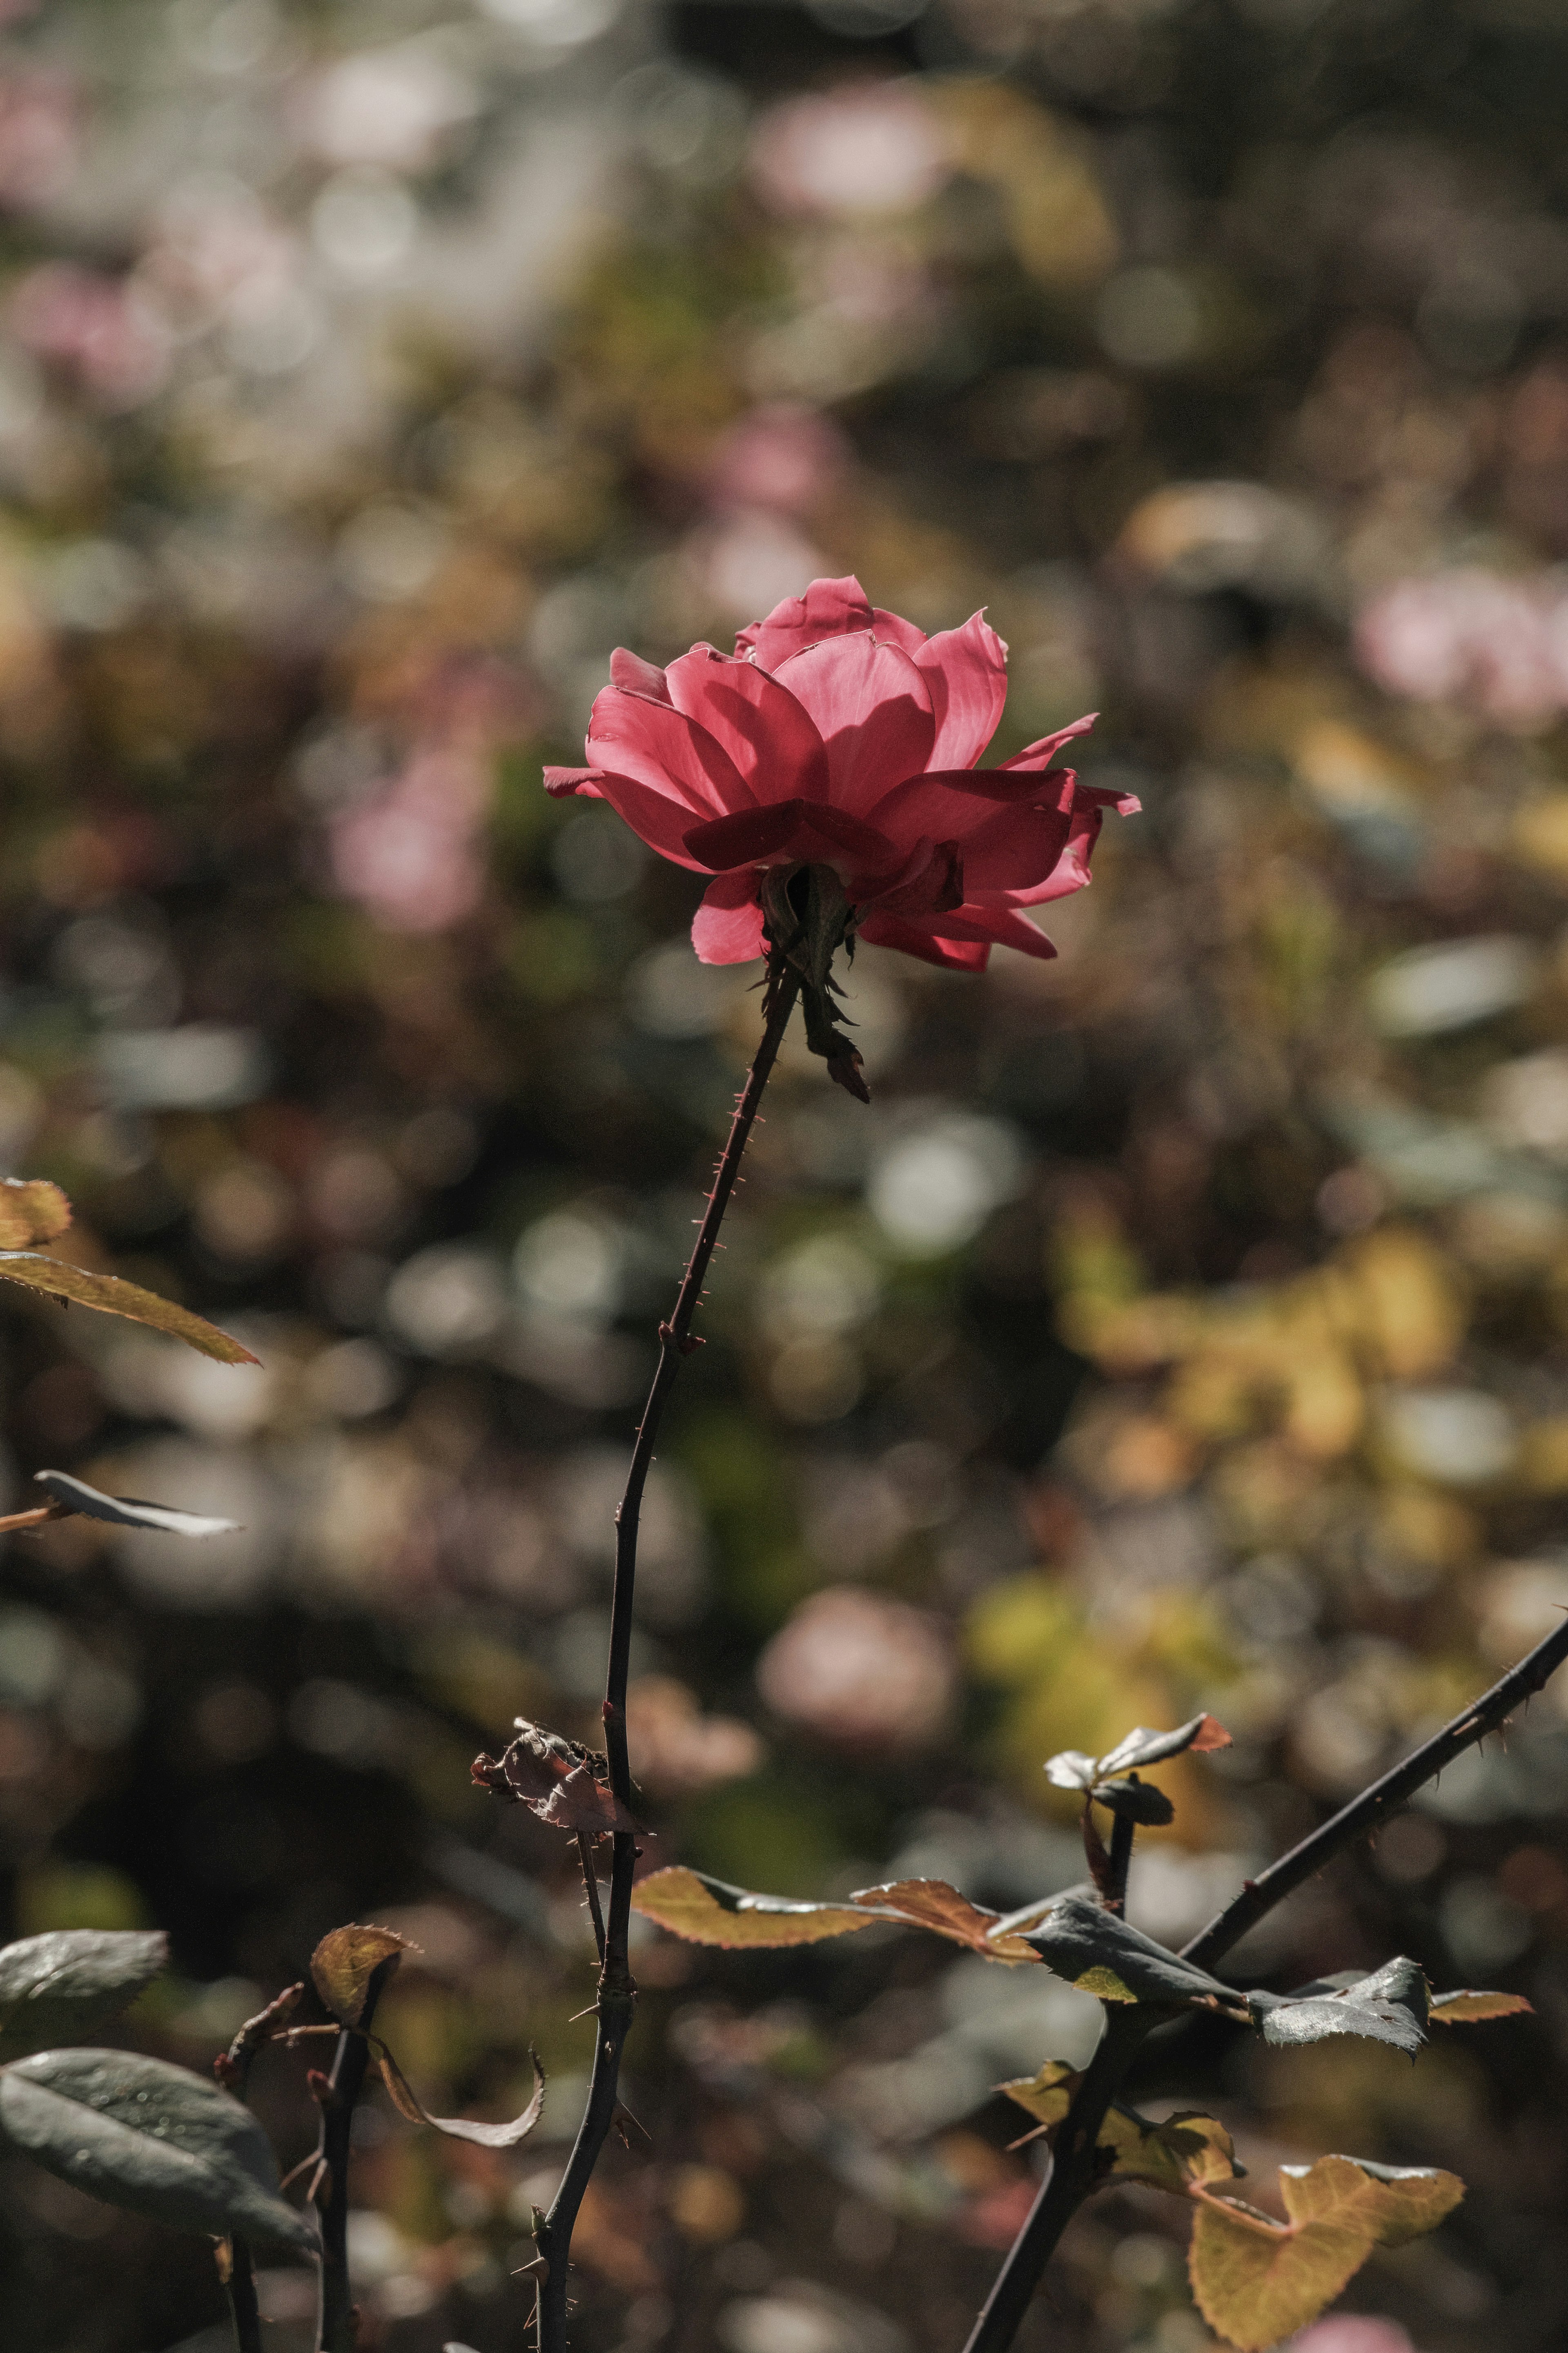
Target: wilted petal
{"type": "Point", "coordinates": [827, 608]}
{"type": "Point", "coordinates": [728, 927]}
{"type": "Point", "coordinates": [765, 732]}
{"type": "Point", "coordinates": [872, 710]}
{"type": "Point", "coordinates": [966, 670]}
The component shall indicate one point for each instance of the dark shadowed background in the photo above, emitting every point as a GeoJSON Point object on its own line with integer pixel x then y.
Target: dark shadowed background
{"type": "Point", "coordinates": [1184, 1324]}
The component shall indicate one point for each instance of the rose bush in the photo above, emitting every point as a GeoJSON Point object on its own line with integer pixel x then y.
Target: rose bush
{"type": "Point", "coordinates": [839, 736]}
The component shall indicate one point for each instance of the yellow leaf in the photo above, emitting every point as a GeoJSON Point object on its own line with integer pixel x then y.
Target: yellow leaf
{"type": "Point", "coordinates": [1464, 2007]}
{"type": "Point", "coordinates": [707, 1912]}
{"type": "Point", "coordinates": [1183, 2149]}
{"type": "Point", "coordinates": [1257, 2281]}
{"type": "Point", "coordinates": [31, 1210]}
{"type": "Point", "coordinates": [106, 1292]}
{"type": "Point", "coordinates": [1047, 2095]}
{"type": "Point", "coordinates": [345, 1962]}
{"type": "Point", "coordinates": [1105, 1985]}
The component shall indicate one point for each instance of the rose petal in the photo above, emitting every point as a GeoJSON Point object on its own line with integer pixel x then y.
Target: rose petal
{"type": "Point", "coordinates": [1070, 873]}
{"type": "Point", "coordinates": [1003, 925]}
{"type": "Point", "coordinates": [634, 676]}
{"type": "Point", "coordinates": [892, 629]}
{"type": "Point", "coordinates": [966, 670]}
{"type": "Point", "coordinates": [662, 822]}
{"type": "Point", "coordinates": [798, 829]}
{"type": "Point", "coordinates": [631, 735]}
{"type": "Point", "coordinates": [1040, 755]}
{"type": "Point", "coordinates": [562, 783]}
{"type": "Point", "coordinates": [773, 742]}
{"type": "Point", "coordinates": [899, 931]}
{"type": "Point", "coordinates": [1017, 849]}
{"type": "Point", "coordinates": [953, 804]}
{"type": "Point", "coordinates": [872, 710]}
{"type": "Point", "coordinates": [827, 608]}
{"type": "Point", "coordinates": [728, 926]}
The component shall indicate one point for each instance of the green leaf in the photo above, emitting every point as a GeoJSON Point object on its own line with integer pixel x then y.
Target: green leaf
{"type": "Point", "coordinates": [67, 1983]}
{"type": "Point", "coordinates": [1391, 2006]}
{"type": "Point", "coordinates": [59, 1280]}
{"type": "Point", "coordinates": [1463, 2007]}
{"type": "Point", "coordinates": [127, 1510]}
{"type": "Point", "coordinates": [709, 1912]}
{"type": "Point", "coordinates": [407, 2103]}
{"type": "Point", "coordinates": [1097, 1951]}
{"type": "Point", "coordinates": [31, 1210]}
{"type": "Point", "coordinates": [1257, 2281]}
{"type": "Point", "coordinates": [151, 2136]}
{"type": "Point", "coordinates": [345, 1962]}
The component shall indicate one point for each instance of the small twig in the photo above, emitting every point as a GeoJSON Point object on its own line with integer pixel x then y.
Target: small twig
{"type": "Point", "coordinates": [1073, 2173]}
{"type": "Point", "coordinates": [617, 1988]}
{"type": "Point", "coordinates": [591, 1884]}
{"type": "Point", "coordinates": [337, 2094]}
{"type": "Point", "coordinates": [232, 2067]}
{"type": "Point", "coordinates": [34, 1518]}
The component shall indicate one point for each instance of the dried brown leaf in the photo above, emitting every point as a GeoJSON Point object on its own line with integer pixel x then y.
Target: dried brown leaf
{"type": "Point", "coordinates": [345, 1962]}
{"type": "Point", "coordinates": [58, 1280]}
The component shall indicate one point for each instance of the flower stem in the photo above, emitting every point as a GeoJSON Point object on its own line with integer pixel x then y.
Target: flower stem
{"type": "Point", "coordinates": [335, 2328]}
{"type": "Point", "coordinates": [1073, 2173]}
{"type": "Point", "coordinates": [617, 1990]}
{"type": "Point", "coordinates": [232, 2068]}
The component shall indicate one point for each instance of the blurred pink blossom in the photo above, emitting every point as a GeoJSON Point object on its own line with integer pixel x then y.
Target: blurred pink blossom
{"type": "Point", "coordinates": [95, 326]}
{"type": "Point", "coordinates": [409, 853]}
{"type": "Point", "coordinates": [749, 561]}
{"type": "Point", "coordinates": [861, 1671]}
{"type": "Point", "coordinates": [872, 147]}
{"type": "Point", "coordinates": [782, 457]}
{"type": "Point", "coordinates": [37, 135]}
{"type": "Point", "coordinates": [1471, 636]}
{"type": "Point", "coordinates": [1350, 2332]}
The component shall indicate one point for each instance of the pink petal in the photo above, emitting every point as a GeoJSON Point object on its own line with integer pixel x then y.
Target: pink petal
{"type": "Point", "coordinates": [634, 676]}
{"type": "Point", "coordinates": [1017, 849]}
{"type": "Point", "coordinates": [661, 821]}
{"type": "Point", "coordinates": [1070, 873]}
{"type": "Point", "coordinates": [872, 710]}
{"type": "Point", "coordinates": [631, 735]}
{"type": "Point", "coordinates": [951, 804]}
{"type": "Point", "coordinates": [799, 829]}
{"type": "Point", "coordinates": [1041, 754]}
{"type": "Point", "coordinates": [1003, 925]}
{"type": "Point", "coordinates": [967, 672]}
{"type": "Point", "coordinates": [562, 783]}
{"type": "Point", "coordinates": [827, 608]}
{"type": "Point", "coordinates": [759, 724]}
{"type": "Point", "coordinates": [728, 926]}
{"type": "Point", "coordinates": [890, 629]}
{"type": "Point", "coordinates": [930, 880]}
{"type": "Point", "coordinates": [896, 932]}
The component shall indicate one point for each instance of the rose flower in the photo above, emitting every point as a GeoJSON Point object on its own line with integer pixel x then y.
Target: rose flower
{"type": "Point", "coordinates": [838, 736]}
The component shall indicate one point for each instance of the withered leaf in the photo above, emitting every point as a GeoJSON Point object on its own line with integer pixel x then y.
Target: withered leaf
{"type": "Point", "coordinates": [407, 2103]}
{"type": "Point", "coordinates": [59, 1280]}
{"type": "Point", "coordinates": [345, 1962]}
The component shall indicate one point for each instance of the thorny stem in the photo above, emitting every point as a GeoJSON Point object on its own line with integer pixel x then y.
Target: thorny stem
{"type": "Point", "coordinates": [335, 2329]}
{"type": "Point", "coordinates": [591, 1889]}
{"type": "Point", "coordinates": [617, 1990]}
{"type": "Point", "coordinates": [1072, 2174]}
{"type": "Point", "coordinates": [232, 2068]}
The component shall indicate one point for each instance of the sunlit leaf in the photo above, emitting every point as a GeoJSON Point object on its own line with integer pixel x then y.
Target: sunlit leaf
{"type": "Point", "coordinates": [152, 2136]}
{"type": "Point", "coordinates": [127, 1510]}
{"type": "Point", "coordinates": [56, 1987]}
{"type": "Point", "coordinates": [582, 1803]}
{"type": "Point", "coordinates": [1171, 2154]}
{"type": "Point", "coordinates": [1463, 2007]}
{"type": "Point", "coordinates": [1069, 1768]}
{"type": "Point", "coordinates": [1047, 2095]}
{"type": "Point", "coordinates": [1141, 1746]}
{"type": "Point", "coordinates": [346, 1961]}
{"type": "Point", "coordinates": [1099, 1952]}
{"type": "Point", "coordinates": [407, 2103]}
{"type": "Point", "coordinates": [932, 1904]}
{"type": "Point", "coordinates": [1168, 2156]}
{"type": "Point", "coordinates": [709, 1912]}
{"type": "Point", "coordinates": [1391, 2007]}
{"type": "Point", "coordinates": [1257, 2281]}
{"type": "Point", "coordinates": [32, 1210]}
{"type": "Point", "coordinates": [58, 1280]}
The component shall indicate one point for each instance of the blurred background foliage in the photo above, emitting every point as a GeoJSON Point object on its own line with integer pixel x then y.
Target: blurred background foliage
{"type": "Point", "coordinates": [1186, 1323]}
